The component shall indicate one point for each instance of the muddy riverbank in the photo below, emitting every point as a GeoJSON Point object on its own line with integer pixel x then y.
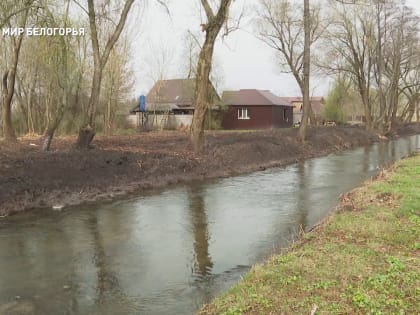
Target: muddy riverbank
{"type": "Point", "coordinates": [121, 165]}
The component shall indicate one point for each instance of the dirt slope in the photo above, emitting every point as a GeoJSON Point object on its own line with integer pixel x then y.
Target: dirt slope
{"type": "Point", "coordinates": [119, 165]}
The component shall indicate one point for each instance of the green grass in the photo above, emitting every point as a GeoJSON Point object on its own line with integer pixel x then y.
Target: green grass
{"type": "Point", "coordinates": [364, 260]}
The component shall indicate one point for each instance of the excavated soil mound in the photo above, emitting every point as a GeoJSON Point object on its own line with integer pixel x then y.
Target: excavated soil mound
{"type": "Point", "coordinates": [118, 165]}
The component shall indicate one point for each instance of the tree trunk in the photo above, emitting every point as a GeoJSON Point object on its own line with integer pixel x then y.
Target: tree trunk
{"type": "Point", "coordinates": [364, 93]}
{"type": "Point", "coordinates": [94, 99]}
{"type": "Point", "coordinates": [408, 113]}
{"type": "Point", "coordinates": [87, 131]}
{"type": "Point", "coordinates": [306, 70]}
{"type": "Point", "coordinates": [53, 125]}
{"type": "Point", "coordinates": [380, 67]}
{"type": "Point", "coordinates": [46, 144]}
{"type": "Point", "coordinates": [108, 117]}
{"type": "Point", "coordinates": [202, 96]}
{"type": "Point", "coordinates": [86, 136]}
{"type": "Point", "coordinates": [9, 80]}
{"type": "Point", "coordinates": [31, 128]}
{"type": "Point", "coordinates": [64, 90]}
{"type": "Point", "coordinates": [107, 122]}
{"type": "Point", "coordinates": [8, 131]}
{"type": "Point", "coordinates": [409, 116]}
{"type": "Point", "coordinates": [393, 123]}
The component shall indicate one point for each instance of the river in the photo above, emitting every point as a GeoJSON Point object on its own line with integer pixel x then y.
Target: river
{"type": "Point", "coordinates": [170, 251]}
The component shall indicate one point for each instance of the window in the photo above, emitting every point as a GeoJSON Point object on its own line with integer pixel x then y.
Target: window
{"type": "Point", "coordinates": [243, 113]}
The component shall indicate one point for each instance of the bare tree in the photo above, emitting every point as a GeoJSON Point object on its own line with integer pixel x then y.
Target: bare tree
{"type": "Point", "coordinates": [192, 49]}
{"type": "Point", "coordinates": [379, 62]}
{"type": "Point", "coordinates": [400, 57]}
{"type": "Point", "coordinates": [409, 91]}
{"type": "Point", "coordinates": [291, 30]}
{"type": "Point", "coordinates": [64, 82]}
{"type": "Point", "coordinates": [87, 131]}
{"type": "Point", "coordinates": [379, 55]}
{"type": "Point", "coordinates": [159, 62]}
{"type": "Point", "coordinates": [117, 84]}
{"type": "Point", "coordinates": [11, 9]}
{"type": "Point", "coordinates": [51, 68]}
{"type": "Point", "coordinates": [351, 50]}
{"type": "Point", "coordinates": [9, 75]}
{"type": "Point", "coordinates": [203, 89]}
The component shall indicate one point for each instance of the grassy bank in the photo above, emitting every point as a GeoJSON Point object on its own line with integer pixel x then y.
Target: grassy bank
{"type": "Point", "coordinates": [363, 260]}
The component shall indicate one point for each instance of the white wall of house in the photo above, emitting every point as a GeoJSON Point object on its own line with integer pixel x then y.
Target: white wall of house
{"type": "Point", "coordinates": [297, 117]}
{"type": "Point", "coordinates": [183, 120]}
{"type": "Point", "coordinates": [163, 121]}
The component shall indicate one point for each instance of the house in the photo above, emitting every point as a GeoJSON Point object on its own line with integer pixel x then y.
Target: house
{"type": "Point", "coordinates": [317, 104]}
{"type": "Point", "coordinates": [255, 109]}
{"type": "Point", "coordinates": [169, 104]}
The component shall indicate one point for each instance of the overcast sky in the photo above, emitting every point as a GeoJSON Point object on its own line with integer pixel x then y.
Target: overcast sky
{"type": "Point", "coordinates": [242, 60]}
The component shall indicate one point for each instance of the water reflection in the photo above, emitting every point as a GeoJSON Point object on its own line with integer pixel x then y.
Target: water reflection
{"type": "Point", "coordinates": [169, 252]}
{"type": "Point", "coordinates": [302, 195]}
{"type": "Point", "coordinates": [202, 259]}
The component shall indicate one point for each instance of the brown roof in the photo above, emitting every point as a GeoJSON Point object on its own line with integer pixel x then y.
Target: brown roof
{"type": "Point", "coordinates": [177, 91]}
{"type": "Point", "coordinates": [253, 97]}
{"type": "Point", "coordinates": [317, 102]}
{"type": "Point", "coordinates": [167, 95]}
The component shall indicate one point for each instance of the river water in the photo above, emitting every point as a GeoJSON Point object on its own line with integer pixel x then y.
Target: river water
{"type": "Point", "coordinates": [170, 251]}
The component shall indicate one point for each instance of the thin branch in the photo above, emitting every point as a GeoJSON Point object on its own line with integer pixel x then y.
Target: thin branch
{"type": "Point", "coordinates": [207, 9]}
{"type": "Point", "coordinates": [28, 6]}
{"type": "Point", "coordinates": [117, 31]}
{"type": "Point", "coordinates": [163, 4]}
{"type": "Point", "coordinates": [82, 7]}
